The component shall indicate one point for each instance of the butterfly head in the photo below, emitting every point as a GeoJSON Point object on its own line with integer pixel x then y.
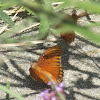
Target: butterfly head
{"type": "Point", "coordinates": [33, 71]}
{"type": "Point", "coordinates": [35, 67]}
{"type": "Point", "coordinates": [32, 65]}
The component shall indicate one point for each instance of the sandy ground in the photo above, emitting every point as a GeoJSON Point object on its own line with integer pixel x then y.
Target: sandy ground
{"type": "Point", "coordinates": [81, 65]}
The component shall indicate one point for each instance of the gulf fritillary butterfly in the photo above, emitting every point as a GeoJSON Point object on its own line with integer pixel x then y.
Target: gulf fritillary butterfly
{"type": "Point", "coordinates": [67, 37]}
{"type": "Point", "coordinates": [73, 18]}
{"type": "Point", "coordinates": [48, 63]}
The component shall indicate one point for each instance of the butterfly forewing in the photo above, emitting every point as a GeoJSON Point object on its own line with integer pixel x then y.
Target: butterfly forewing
{"type": "Point", "coordinates": [51, 55]}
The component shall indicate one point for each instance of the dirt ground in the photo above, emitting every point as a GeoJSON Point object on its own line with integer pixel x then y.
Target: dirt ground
{"type": "Point", "coordinates": [81, 65]}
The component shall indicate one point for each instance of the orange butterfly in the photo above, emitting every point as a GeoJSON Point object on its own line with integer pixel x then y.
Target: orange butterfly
{"type": "Point", "coordinates": [67, 37]}
{"type": "Point", "coordinates": [73, 18]}
{"type": "Point", "coordinates": [48, 63]}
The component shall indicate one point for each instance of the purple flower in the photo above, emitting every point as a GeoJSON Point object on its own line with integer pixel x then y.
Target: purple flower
{"type": "Point", "coordinates": [61, 84]}
{"type": "Point", "coordinates": [59, 89]}
{"type": "Point", "coordinates": [46, 97]}
{"type": "Point", "coordinates": [54, 98]}
{"type": "Point", "coordinates": [52, 94]}
{"type": "Point", "coordinates": [49, 83]}
{"type": "Point", "coordinates": [38, 98]}
{"type": "Point", "coordinates": [42, 94]}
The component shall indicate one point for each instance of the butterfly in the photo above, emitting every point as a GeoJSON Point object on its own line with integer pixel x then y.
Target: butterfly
{"type": "Point", "coordinates": [67, 37]}
{"type": "Point", "coordinates": [48, 63]}
{"type": "Point", "coordinates": [73, 18]}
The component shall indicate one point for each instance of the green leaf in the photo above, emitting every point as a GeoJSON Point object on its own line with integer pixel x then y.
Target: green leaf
{"type": "Point", "coordinates": [9, 3]}
{"type": "Point", "coordinates": [93, 7]}
{"type": "Point", "coordinates": [63, 5]}
{"type": "Point", "coordinates": [86, 32]}
{"type": "Point", "coordinates": [47, 5]}
{"type": "Point", "coordinates": [8, 87]}
{"type": "Point", "coordinates": [11, 93]}
{"type": "Point", "coordinates": [44, 27]}
{"type": "Point", "coordinates": [30, 11]}
{"type": "Point", "coordinates": [6, 18]}
{"type": "Point", "coordinates": [7, 37]}
{"type": "Point", "coordinates": [1, 5]}
{"type": "Point", "coordinates": [10, 40]}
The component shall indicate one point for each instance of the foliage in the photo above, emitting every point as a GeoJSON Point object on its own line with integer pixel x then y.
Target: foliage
{"type": "Point", "coordinates": [6, 18]}
{"type": "Point", "coordinates": [48, 18]}
{"type": "Point", "coordinates": [11, 93]}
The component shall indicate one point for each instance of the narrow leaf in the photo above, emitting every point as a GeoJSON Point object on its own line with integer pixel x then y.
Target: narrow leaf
{"type": "Point", "coordinates": [6, 18]}
{"type": "Point", "coordinates": [8, 87]}
{"type": "Point", "coordinates": [11, 93]}
{"type": "Point", "coordinates": [44, 27]}
{"type": "Point", "coordinates": [30, 11]}
{"type": "Point", "coordinates": [54, 86]}
{"type": "Point", "coordinates": [47, 5]}
{"type": "Point", "coordinates": [84, 31]}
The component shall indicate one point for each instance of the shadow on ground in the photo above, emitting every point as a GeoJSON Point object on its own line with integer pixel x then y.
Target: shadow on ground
{"type": "Point", "coordinates": [28, 82]}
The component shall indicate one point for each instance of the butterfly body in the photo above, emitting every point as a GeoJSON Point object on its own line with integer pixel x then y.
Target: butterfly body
{"type": "Point", "coordinates": [49, 63]}
{"type": "Point", "coordinates": [69, 37]}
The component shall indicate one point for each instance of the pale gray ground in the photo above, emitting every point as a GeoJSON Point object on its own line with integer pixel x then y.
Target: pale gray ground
{"type": "Point", "coordinates": [80, 61]}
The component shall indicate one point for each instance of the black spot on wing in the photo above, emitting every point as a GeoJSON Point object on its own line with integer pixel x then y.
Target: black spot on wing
{"type": "Point", "coordinates": [58, 62]}
{"type": "Point", "coordinates": [60, 75]}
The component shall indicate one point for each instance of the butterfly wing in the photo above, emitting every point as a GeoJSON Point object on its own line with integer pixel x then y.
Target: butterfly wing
{"type": "Point", "coordinates": [50, 56]}
{"type": "Point", "coordinates": [40, 75]}
{"type": "Point", "coordinates": [67, 37]}
{"type": "Point", "coordinates": [49, 63]}
{"type": "Point", "coordinates": [34, 74]}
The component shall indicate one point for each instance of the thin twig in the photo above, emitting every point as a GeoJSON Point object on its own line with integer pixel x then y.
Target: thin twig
{"type": "Point", "coordinates": [88, 20]}
{"type": "Point", "coordinates": [25, 43]}
{"type": "Point", "coordinates": [57, 3]}
{"type": "Point", "coordinates": [14, 11]}
{"type": "Point", "coordinates": [37, 24]}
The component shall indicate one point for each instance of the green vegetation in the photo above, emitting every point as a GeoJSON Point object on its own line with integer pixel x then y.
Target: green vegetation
{"type": "Point", "coordinates": [42, 11]}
